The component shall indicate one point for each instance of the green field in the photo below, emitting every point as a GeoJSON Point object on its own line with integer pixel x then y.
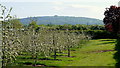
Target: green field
{"type": "Point", "coordinates": [99, 52]}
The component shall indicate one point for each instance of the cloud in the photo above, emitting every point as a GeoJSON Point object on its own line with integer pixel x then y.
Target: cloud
{"type": "Point", "coordinates": [77, 7]}
{"type": "Point", "coordinates": [87, 7]}
{"type": "Point", "coordinates": [57, 3]}
{"type": "Point", "coordinates": [83, 6]}
{"type": "Point", "coordinates": [58, 8]}
{"type": "Point", "coordinates": [81, 10]}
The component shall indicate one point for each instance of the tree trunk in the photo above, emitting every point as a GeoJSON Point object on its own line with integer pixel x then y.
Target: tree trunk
{"type": "Point", "coordinates": [3, 56]}
{"type": "Point", "coordinates": [54, 48]}
{"type": "Point", "coordinates": [3, 61]}
{"type": "Point", "coordinates": [55, 54]}
{"type": "Point", "coordinates": [35, 60]}
{"type": "Point", "coordinates": [68, 52]}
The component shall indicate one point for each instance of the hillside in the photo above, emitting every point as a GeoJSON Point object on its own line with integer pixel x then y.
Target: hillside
{"type": "Point", "coordinates": [61, 20]}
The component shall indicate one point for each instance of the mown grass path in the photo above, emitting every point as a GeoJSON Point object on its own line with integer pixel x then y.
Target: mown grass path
{"type": "Point", "coordinates": [98, 52]}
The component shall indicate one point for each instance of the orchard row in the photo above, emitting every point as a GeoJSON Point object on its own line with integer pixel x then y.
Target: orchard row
{"type": "Point", "coordinates": [42, 43]}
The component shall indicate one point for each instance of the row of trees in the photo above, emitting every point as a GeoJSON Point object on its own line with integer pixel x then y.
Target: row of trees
{"type": "Point", "coordinates": [43, 42]}
{"type": "Point", "coordinates": [76, 27]}
{"type": "Point", "coordinates": [17, 24]}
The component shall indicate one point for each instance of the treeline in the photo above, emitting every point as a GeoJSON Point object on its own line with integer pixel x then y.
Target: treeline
{"type": "Point", "coordinates": [76, 27]}
{"type": "Point", "coordinates": [18, 24]}
{"type": "Point", "coordinates": [95, 31]}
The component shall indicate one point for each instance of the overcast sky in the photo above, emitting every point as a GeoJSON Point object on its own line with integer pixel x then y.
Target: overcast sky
{"type": "Point", "coordinates": [78, 8]}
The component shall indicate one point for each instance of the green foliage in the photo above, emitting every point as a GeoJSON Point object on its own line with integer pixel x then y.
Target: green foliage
{"type": "Point", "coordinates": [100, 34]}
{"type": "Point", "coordinates": [16, 24]}
{"type": "Point", "coordinates": [33, 25]}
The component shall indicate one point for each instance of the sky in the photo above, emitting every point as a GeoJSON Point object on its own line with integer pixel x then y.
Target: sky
{"type": "Point", "coordinates": [77, 8]}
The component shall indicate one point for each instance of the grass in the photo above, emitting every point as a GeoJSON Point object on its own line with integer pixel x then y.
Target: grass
{"type": "Point", "coordinates": [98, 52]}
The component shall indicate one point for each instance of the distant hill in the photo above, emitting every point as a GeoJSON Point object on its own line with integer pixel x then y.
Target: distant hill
{"type": "Point", "coordinates": [61, 20]}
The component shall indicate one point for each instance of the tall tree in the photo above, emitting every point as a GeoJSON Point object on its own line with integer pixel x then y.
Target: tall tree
{"type": "Point", "coordinates": [9, 38]}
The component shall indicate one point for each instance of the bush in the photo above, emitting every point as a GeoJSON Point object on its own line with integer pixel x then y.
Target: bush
{"type": "Point", "coordinates": [101, 34]}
